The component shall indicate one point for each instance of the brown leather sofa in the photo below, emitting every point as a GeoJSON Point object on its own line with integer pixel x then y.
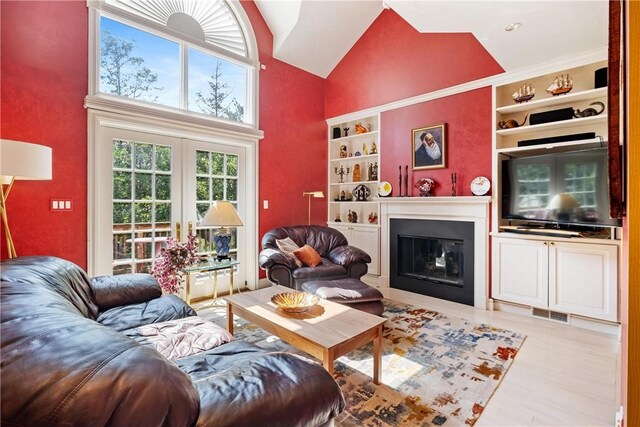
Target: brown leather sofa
{"type": "Point", "coordinates": [339, 260]}
{"type": "Point", "coordinates": [67, 359]}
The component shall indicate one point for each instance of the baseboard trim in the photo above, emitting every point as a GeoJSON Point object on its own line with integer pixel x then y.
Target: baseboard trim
{"type": "Point", "coordinates": [595, 325]}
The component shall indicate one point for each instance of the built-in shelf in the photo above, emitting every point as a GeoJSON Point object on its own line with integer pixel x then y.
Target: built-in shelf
{"type": "Point", "coordinates": [373, 133]}
{"type": "Point", "coordinates": [353, 183]}
{"type": "Point", "coordinates": [556, 100]}
{"type": "Point", "coordinates": [354, 224]}
{"type": "Point", "coordinates": [554, 125]}
{"type": "Point", "coordinates": [556, 147]}
{"type": "Point", "coordinates": [358, 158]}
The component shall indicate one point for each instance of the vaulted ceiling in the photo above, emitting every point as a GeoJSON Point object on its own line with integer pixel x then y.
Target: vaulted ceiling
{"type": "Point", "coordinates": [316, 34]}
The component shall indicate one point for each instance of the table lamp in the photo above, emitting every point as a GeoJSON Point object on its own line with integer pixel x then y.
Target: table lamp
{"type": "Point", "coordinates": [20, 161]}
{"type": "Point", "coordinates": [221, 214]}
{"type": "Point", "coordinates": [316, 195]}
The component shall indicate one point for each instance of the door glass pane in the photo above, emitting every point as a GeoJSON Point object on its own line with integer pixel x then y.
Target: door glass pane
{"type": "Point", "coordinates": [219, 182]}
{"type": "Point", "coordinates": [141, 204]}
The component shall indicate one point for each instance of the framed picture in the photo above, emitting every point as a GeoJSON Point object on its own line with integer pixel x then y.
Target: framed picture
{"type": "Point", "coordinates": [428, 145]}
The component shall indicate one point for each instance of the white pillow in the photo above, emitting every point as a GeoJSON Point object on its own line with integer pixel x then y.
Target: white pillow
{"type": "Point", "coordinates": [288, 246]}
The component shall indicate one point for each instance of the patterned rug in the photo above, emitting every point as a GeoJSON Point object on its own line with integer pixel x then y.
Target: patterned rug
{"type": "Point", "coordinates": [437, 370]}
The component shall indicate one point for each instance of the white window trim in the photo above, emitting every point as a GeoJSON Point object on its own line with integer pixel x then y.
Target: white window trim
{"type": "Point", "coordinates": [113, 103]}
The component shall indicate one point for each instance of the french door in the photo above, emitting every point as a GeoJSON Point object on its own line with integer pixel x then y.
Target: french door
{"type": "Point", "coordinates": [151, 185]}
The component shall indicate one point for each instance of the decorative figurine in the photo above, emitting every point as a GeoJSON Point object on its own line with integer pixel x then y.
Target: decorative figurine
{"type": "Point", "coordinates": [373, 218]}
{"type": "Point", "coordinates": [524, 94]}
{"type": "Point", "coordinates": [352, 217]}
{"type": "Point", "coordinates": [357, 154]}
{"type": "Point", "coordinates": [562, 84]}
{"type": "Point", "coordinates": [374, 148]}
{"type": "Point", "coordinates": [425, 185]}
{"type": "Point", "coordinates": [346, 131]}
{"type": "Point", "coordinates": [372, 171]}
{"type": "Point", "coordinates": [361, 193]}
{"type": "Point", "coordinates": [356, 173]}
{"type": "Point", "coordinates": [337, 218]}
{"type": "Point", "coordinates": [341, 171]}
{"type": "Point", "coordinates": [360, 129]}
{"type": "Point", "coordinates": [343, 151]}
{"type": "Point", "coordinates": [589, 111]}
{"type": "Point", "coordinates": [508, 124]}
{"type": "Point", "coordinates": [365, 150]}
{"type": "Point", "coordinates": [343, 196]}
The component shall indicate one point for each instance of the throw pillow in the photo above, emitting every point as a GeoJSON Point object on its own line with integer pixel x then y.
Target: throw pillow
{"type": "Point", "coordinates": [288, 246]}
{"type": "Point", "coordinates": [308, 256]}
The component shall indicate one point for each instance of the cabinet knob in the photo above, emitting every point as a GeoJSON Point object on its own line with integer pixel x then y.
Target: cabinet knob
{"type": "Point", "coordinates": [545, 243]}
{"type": "Point", "coordinates": [552, 243]}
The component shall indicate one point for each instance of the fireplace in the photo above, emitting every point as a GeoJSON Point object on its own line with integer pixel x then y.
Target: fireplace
{"type": "Point", "coordinates": [433, 257]}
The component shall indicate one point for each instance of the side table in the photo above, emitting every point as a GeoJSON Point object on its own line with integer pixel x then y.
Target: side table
{"type": "Point", "coordinates": [210, 266]}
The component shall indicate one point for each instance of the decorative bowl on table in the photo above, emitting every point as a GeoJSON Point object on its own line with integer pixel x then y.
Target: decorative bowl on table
{"type": "Point", "coordinates": [294, 302]}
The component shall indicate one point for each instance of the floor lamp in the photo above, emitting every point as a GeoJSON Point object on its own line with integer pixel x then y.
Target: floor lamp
{"type": "Point", "coordinates": [314, 194]}
{"type": "Point", "coordinates": [20, 161]}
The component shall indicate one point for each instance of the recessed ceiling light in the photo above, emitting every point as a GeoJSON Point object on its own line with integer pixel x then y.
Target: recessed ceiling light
{"type": "Point", "coordinates": [513, 27]}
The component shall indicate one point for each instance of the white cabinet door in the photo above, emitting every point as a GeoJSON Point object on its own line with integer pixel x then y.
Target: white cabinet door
{"type": "Point", "coordinates": [583, 279]}
{"type": "Point", "coordinates": [520, 271]}
{"type": "Point", "coordinates": [368, 239]}
{"type": "Point", "coordinates": [365, 238]}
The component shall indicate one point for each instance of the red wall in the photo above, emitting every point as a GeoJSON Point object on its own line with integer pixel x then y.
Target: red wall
{"type": "Point", "coordinates": [467, 118]}
{"type": "Point", "coordinates": [44, 82]}
{"type": "Point", "coordinates": [293, 153]}
{"type": "Point", "coordinates": [393, 61]}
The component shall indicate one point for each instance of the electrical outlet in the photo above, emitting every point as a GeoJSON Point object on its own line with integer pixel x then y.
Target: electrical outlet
{"type": "Point", "coordinates": [265, 204]}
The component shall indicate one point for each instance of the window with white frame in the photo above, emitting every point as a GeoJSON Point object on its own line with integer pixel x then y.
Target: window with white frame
{"type": "Point", "coordinates": [190, 55]}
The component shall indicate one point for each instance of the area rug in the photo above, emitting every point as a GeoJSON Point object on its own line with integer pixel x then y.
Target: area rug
{"type": "Point", "coordinates": [437, 370]}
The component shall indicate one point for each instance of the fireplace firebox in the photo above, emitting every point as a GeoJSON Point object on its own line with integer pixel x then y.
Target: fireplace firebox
{"type": "Point", "coordinates": [433, 257]}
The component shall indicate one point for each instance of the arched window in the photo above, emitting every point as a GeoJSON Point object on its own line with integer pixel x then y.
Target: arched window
{"type": "Point", "coordinates": [194, 56]}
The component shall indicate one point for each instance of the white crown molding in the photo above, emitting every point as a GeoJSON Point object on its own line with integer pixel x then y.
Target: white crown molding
{"type": "Point", "coordinates": [596, 55]}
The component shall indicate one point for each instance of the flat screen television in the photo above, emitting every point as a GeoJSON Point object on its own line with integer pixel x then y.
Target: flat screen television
{"type": "Point", "coordinates": [565, 188]}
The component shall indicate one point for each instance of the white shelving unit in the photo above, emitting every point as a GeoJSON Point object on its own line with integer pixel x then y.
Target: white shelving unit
{"type": "Point", "coordinates": [576, 276]}
{"type": "Point", "coordinates": [363, 233]}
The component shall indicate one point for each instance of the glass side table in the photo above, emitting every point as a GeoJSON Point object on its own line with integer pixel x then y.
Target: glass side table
{"type": "Point", "coordinates": [207, 267]}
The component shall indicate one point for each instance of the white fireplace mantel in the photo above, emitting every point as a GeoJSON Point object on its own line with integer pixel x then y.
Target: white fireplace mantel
{"type": "Point", "coordinates": [464, 208]}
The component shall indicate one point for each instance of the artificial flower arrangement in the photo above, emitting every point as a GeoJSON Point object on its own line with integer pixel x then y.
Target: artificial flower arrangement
{"type": "Point", "coordinates": [169, 265]}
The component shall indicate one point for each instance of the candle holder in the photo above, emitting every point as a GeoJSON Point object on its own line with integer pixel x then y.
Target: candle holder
{"type": "Point", "coordinates": [341, 172]}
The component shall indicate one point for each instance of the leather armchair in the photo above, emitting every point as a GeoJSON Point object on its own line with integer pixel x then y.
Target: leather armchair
{"type": "Point", "coordinates": [339, 259]}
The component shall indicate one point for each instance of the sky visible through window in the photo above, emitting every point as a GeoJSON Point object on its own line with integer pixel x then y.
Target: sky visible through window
{"type": "Point", "coordinates": [162, 58]}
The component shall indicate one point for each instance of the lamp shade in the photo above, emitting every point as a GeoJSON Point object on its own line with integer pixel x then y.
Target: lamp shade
{"type": "Point", "coordinates": [563, 201]}
{"type": "Point", "coordinates": [314, 194]}
{"type": "Point", "coordinates": [24, 160]}
{"type": "Point", "coordinates": [221, 214]}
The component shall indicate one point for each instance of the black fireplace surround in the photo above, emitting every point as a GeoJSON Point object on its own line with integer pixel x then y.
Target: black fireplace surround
{"type": "Point", "coordinates": [433, 258]}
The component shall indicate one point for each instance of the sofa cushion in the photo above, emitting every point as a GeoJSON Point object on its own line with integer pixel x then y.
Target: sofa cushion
{"type": "Point", "coordinates": [124, 289]}
{"type": "Point", "coordinates": [308, 256]}
{"type": "Point", "coordinates": [243, 385]}
{"type": "Point", "coordinates": [60, 276]}
{"type": "Point", "coordinates": [168, 307]}
{"type": "Point", "coordinates": [325, 269]}
{"type": "Point", "coordinates": [288, 246]}
{"type": "Point", "coordinates": [181, 337]}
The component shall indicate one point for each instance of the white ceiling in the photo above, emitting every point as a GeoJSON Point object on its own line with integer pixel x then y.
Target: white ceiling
{"type": "Point", "coordinates": [316, 34]}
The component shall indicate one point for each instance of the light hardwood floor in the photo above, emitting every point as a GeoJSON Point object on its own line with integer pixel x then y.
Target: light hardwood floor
{"type": "Point", "coordinates": [562, 375]}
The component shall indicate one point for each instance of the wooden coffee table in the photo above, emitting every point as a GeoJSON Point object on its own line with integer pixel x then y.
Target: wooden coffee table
{"type": "Point", "coordinates": [327, 331]}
